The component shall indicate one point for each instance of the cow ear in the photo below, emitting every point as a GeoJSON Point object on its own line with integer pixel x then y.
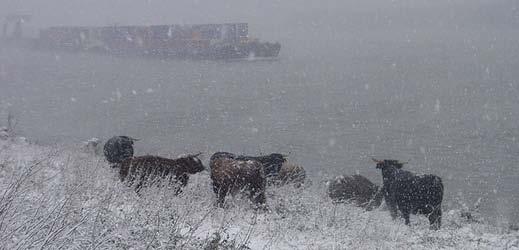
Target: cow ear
{"type": "Point", "coordinates": [401, 164]}
{"type": "Point", "coordinates": [194, 155]}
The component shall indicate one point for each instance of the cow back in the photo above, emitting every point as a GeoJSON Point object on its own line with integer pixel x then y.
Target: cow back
{"type": "Point", "coordinates": [421, 193]}
{"type": "Point", "coordinates": [236, 173]}
{"type": "Point", "coordinates": [291, 173]}
{"type": "Point", "coordinates": [155, 166]}
{"type": "Point", "coordinates": [356, 188]}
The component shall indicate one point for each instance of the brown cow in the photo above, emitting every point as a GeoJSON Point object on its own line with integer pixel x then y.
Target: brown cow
{"type": "Point", "coordinates": [231, 175]}
{"type": "Point", "coordinates": [291, 173]}
{"type": "Point", "coordinates": [148, 169]}
{"type": "Point", "coordinates": [356, 188]}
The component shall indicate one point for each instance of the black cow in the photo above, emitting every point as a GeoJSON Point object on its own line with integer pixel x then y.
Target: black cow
{"type": "Point", "coordinates": [271, 163]}
{"type": "Point", "coordinates": [118, 148]}
{"type": "Point", "coordinates": [410, 193]}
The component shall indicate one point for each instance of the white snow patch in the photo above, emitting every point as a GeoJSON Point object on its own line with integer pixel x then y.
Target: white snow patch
{"type": "Point", "coordinates": [118, 94]}
{"type": "Point", "coordinates": [76, 199]}
{"type": "Point", "coordinates": [437, 106]}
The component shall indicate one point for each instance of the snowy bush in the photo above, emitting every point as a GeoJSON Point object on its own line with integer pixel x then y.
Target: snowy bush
{"type": "Point", "coordinates": [55, 198]}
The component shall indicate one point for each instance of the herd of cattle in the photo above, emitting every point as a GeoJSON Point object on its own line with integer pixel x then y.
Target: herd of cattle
{"type": "Point", "coordinates": [230, 173]}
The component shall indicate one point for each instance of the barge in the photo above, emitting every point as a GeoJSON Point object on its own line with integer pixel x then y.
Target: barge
{"type": "Point", "coordinates": [203, 41]}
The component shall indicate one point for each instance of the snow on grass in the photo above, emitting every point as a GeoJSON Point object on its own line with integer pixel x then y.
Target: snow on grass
{"type": "Point", "coordinates": [52, 197]}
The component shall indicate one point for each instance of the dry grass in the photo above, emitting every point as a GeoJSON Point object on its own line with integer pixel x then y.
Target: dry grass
{"type": "Point", "coordinates": [69, 199]}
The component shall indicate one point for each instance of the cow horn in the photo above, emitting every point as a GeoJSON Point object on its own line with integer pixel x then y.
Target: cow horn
{"type": "Point", "coordinates": [196, 155]}
{"type": "Point", "coordinates": [377, 161]}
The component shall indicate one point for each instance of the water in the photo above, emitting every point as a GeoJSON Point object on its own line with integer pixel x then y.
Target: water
{"type": "Point", "coordinates": [449, 107]}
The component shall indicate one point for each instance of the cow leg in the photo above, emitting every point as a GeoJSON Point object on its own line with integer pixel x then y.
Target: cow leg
{"type": "Point", "coordinates": [257, 192]}
{"type": "Point", "coordinates": [123, 172]}
{"type": "Point", "coordinates": [141, 180]}
{"type": "Point", "coordinates": [393, 210]}
{"type": "Point", "coordinates": [257, 197]}
{"type": "Point", "coordinates": [405, 213]}
{"type": "Point", "coordinates": [182, 180]}
{"type": "Point", "coordinates": [222, 192]}
{"type": "Point", "coordinates": [216, 188]}
{"type": "Point", "coordinates": [391, 203]}
{"type": "Point", "coordinates": [435, 218]}
{"type": "Point", "coordinates": [260, 199]}
{"type": "Point", "coordinates": [178, 182]}
{"type": "Point", "coordinates": [177, 189]}
{"type": "Point", "coordinates": [138, 187]}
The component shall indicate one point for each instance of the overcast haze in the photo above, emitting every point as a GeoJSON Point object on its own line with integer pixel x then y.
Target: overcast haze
{"type": "Point", "coordinates": [431, 81]}
{"type": "Point", "coordinates": [298, 24]}
{"type": "Point", "coordinates": [281, 19]}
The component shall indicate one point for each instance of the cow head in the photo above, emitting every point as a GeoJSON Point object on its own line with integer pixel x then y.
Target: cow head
{"type": "Point", "coordinates": [277, 159]}
{"type": "Point", "coordinates": [222, 155]}
{"type": "Point", "coordinates": [118, 148]}
{"type": "Point", "coordinates": [381, 164]}
{"type": "Point", "coordinates": [194, 163]}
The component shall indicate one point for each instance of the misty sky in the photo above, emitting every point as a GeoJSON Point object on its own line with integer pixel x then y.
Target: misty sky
{"type": "Point", "coordinates": [272, 16]}
{"type": "Point", "coordinates": [304, 28]}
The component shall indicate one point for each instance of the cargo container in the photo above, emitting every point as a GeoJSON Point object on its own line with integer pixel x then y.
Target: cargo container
{"type": "Point", "coordinates": [204, 41]}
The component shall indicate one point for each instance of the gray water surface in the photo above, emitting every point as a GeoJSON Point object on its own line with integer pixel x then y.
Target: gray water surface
{"type": "Point", "coordinates": [449, 107]}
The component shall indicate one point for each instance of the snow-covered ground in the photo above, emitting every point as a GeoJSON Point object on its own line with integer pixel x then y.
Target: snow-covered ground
{"type": "Point", "coordinates": [69, 198]}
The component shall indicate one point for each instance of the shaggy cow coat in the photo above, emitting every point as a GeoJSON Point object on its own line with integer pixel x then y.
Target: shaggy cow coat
{"type": "Point", "coordinates": [272, 163]}
{"type": "Point", "coordinates": [231, 176]}
{"type": "Point", "coordinates": [357, 189]}
{"type": "Point", "coordinates": [291, 173]}
{"type": "Point", "coordinates": [149, 169]}
{"type": "Point", "coordinates": [410, 193]}
{"type": "Point", "coordinates": [118, 149]}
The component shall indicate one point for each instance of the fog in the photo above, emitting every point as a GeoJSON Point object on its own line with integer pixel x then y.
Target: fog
{"type": "Point", "coordinates": [282, 19]}
{"type": "Point", "coordinates": [324, 26]}
{"type": "Point", "coordinates": [430, 81]}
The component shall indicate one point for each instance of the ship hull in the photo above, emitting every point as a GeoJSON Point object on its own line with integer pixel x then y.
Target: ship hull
{"type": "Point", "coordinates": [209, 41]}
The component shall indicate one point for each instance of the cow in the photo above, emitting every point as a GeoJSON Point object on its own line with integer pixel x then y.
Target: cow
{"type": "Point", "coordinates": [357, 189]}
{"type": "Point", "coordinates": [410, 193]}
{"type": "Point", "coordinates": [118, 148]}
{"type": "Point", "coordinates": [291, 173]}
{"type": "Point", "coordinates": [142, 170]}
{"type": "Point", "coordinates": [271, 163]}
{"type": "Point", "coordinates": [230, 175]}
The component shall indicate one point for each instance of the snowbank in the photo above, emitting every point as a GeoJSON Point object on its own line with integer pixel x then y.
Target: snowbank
{"type": "Point", "coordinates": [55, 197]}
